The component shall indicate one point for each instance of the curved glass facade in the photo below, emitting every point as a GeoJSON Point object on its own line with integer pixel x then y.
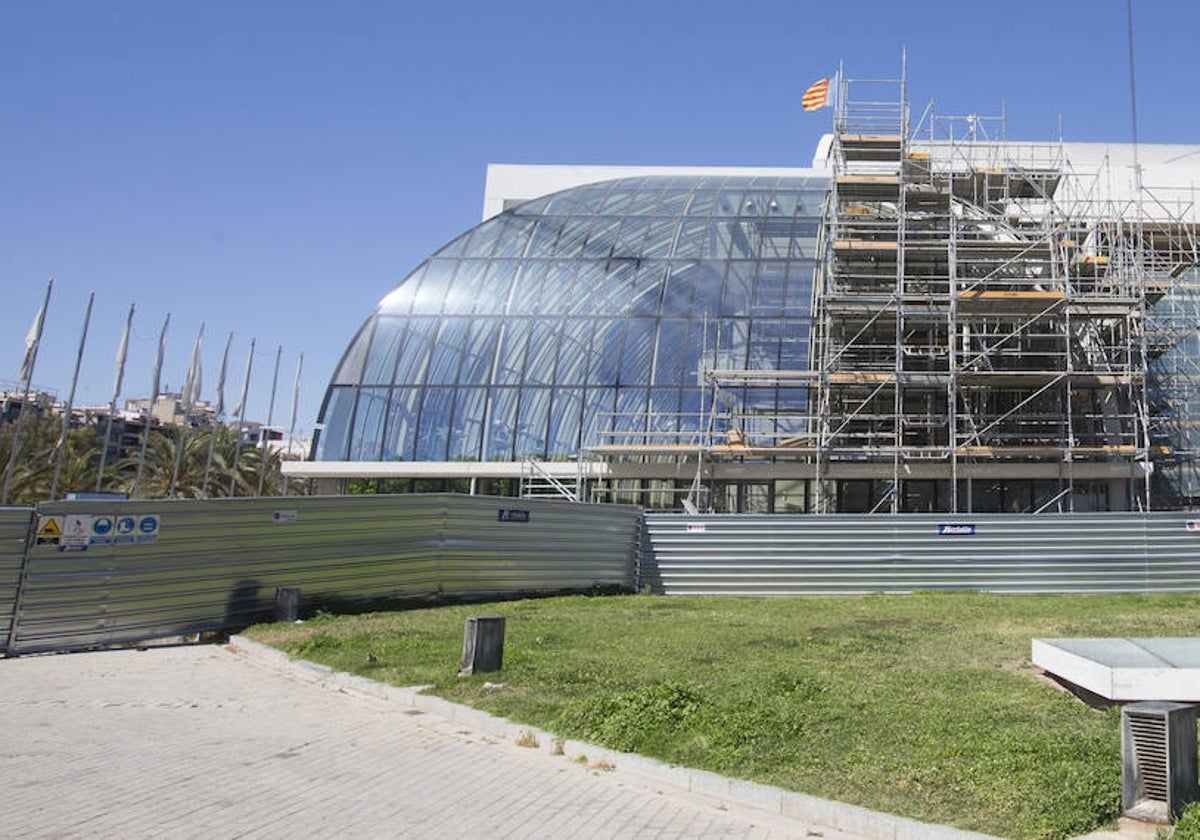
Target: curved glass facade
{"type": "Point", "coordinates": [583, 317]}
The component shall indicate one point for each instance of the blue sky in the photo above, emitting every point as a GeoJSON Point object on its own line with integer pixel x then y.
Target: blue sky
{"type": "Point", "coordinates": [273, 169]}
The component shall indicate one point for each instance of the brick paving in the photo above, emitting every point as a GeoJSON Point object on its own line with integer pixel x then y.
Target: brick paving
{"type": "Point", "coordinates": [198, 741]}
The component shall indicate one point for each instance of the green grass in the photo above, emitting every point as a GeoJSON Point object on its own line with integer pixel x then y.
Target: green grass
{"type": "Point", "coordinates": [923, 705]}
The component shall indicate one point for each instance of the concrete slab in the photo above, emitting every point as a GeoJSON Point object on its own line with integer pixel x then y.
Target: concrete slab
{"type": "Point", "coordinates": [1125, 670]}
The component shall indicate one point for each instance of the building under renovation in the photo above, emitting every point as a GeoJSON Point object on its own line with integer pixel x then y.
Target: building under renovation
{"type": "Point", "coordinates": [930, 318]}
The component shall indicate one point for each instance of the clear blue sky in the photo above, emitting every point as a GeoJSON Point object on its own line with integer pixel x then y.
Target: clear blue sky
{"type": "Point", "coordinates": [273, 169]}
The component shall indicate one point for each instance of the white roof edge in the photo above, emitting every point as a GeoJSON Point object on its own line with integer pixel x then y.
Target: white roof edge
{"type": "Point", "coordinates": [435, 469]}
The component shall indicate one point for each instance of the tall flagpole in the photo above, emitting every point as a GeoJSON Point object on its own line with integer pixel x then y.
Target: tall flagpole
{"type": "Point", "coordinates": [266, 430]}
{"type": "Point", "coordinates": [56, 455]}
{"type": "Point", "coordinates": [188, 397]}
{"type": "Point", "coordinates": [240, 411]}
{"type": "Point", "coordinates": [218, 413]}
{"type": "Point", "coordinates": [32, 340]}
{"type": "Point", "coordinates": [295, 403]}
{"type": "Point", "coordinates": [156, 379]}
{"type": "Point", "coordinates": [122, 352]}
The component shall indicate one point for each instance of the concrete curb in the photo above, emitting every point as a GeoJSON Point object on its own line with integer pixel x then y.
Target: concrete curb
{"type": "Point", "coordinates": [849, 818]}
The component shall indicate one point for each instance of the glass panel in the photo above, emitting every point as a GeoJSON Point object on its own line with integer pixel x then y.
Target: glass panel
{"type": "Point", "coordinates": [433, 430]}
{"type": "Point", "coordinates": [710, 279]}
{"type": "Point", "coordinates": [515, 239]}
{"type": "Point", "coordinates": [702, 202]}
{"type": "Point", "coordinates": [545, 235]}
{"type": "Point", "coordinates": [619, 198]}
{"type": "Point", "coordinates": [543, 347]}
{"type": "Point", "coordinates": [638, 351]}
{"type": "Point", "coordinates": [502, 418]}
{"type": "Point", "coordinates": [574, 234]}
{"type": "Point", "coordinates": [565, 411]}
{"type": "Point", "coordinates": [769, 288]}
{"type": "Point", "coordinates": [447, 352]}
{"type": "Point", "coordinates": [335, 437]}
{"type": "Point", "coordinates": [463, 295]}
{"type": "Point", "coordinates": [632, 407]}
{"type": "Point", "coordinates": [646, 199]}
{"type": "Point", "coordinates": [431, 294]}
{"type": "Point", "coordinates": [744, 240]}
{"type": "Point", "coordinates": [498, 286]}
{"type": "Point", "coordinates": [608, 291]}
{"type": "Point", "coordinates": [511, 358]}
{"type": "Point", "coordinates": [573, 352]}
{"type": "Point", "coordinates": [526, 298]}
{"type": "Point", "coordinates": [659, 238]}
{"type": "Point", "coordinates": [401, 422]}
{"type": "Point", "coordinates": [691, 237]}
{"type": "Point", "coordinates": [381, 359]}
{"type": "Point", "coordinates": [349, 371]}
{"type": "Point", "coordinates": [483, 240]}
{"type": "Point", "coordinates": [480, 352]}
{"type": "Point", "coordinates": [663, 413]}
{"type": "Point", "coordinates": [414, 353]}
{"type": "Point", "coordinates": [798, 300]}
{"type": "Point", "coordinates": [718, 239]}
{"type": "Point", "coordinates": [467, 433]}
{"type": "Point", "coordinates": [531, 424]}
{"type": "Point", "coordinates": [606, 351]}
{"type": "Point", "coordinates": [681, 282]}
{"type": "Point", "coordinates": [602, 239]}
{"type": "Point", "coordinates": [673, 202]}
{"type": "Point", "coordinates": [736, 300]}
{"type": "Point", "coordinates": [631, 237]}
{"type": "Point", "coordinates": [367, 437]}
{"type": "Point", "coordinates": [668, 363]}
{"type": "Point", "coordinates": [648, 288]}
{"type": "Point", "coordinates": [400, 299]}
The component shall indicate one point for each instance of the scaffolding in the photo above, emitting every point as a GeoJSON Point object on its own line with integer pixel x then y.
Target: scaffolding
{"type": "Point", "coordinates": [986, 314]}
{"type": "Point", "coordinates": [992, 331]}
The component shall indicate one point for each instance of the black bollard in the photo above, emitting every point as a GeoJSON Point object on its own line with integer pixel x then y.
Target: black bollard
{"type": "Point", "coordinates": [483, 644]}
{"type": "Point", "coordinates": [287, 603]}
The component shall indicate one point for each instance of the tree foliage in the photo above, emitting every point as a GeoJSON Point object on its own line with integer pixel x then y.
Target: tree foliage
{"type": "Point", "coordinates": [231, 468]}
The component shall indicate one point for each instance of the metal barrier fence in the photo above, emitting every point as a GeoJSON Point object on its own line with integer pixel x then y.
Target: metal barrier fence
{"type": "Point", "coordinates": [847, 554]}
{"type": "Point", "coordinates": [14, 531]}
{"type": "Point", "coordinates": [102, 573]}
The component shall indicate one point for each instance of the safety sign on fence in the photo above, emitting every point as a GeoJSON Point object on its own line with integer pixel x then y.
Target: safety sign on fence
{"type": "Point", "coordinates": [80, 531]}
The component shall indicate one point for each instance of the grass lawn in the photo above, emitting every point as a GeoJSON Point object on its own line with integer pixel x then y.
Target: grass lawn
{"type": "Point", "coordinates": [923, 705]}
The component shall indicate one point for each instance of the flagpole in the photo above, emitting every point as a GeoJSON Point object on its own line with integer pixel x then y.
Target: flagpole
{"type": "Point", "coordinates": [188, 397]}
{"type": "Point", "coordinates": [265, 430]}
{"type": "Point", "coordinates": [218, 413]}
{"type": "Point", "coordinates": [32, 340]}
{"type": "Point", "coordinates": [57, 453]}
{"type": "Point", "coordinates": [156, 379]}
{"type": "Point", "coordinates": [122, 352]}
{"type": "Point", "coordinates": [295, 403]}
{"type": "Point", "coordinates": [240, 411]}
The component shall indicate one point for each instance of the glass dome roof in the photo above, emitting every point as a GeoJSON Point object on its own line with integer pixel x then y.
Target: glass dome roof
{"type": "Point", "coordinates": [582, 317]}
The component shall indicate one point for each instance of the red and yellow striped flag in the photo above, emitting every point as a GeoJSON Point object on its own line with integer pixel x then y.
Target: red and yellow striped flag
{"type": "Point", "coordinates": [817, 95]}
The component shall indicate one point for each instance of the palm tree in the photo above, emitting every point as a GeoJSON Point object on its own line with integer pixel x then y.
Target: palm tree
{"type": "Point", "coordinates": [33, 469]}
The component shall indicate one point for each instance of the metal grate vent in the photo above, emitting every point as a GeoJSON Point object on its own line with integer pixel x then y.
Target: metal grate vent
{"type": "Point", "coordinates": [1158, 760]}
{"type": "Point", "coordinates": [1149, 735]}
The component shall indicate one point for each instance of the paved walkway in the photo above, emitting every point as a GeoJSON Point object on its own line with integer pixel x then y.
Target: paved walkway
{"type": "Point", "coordinates": [202, 742]}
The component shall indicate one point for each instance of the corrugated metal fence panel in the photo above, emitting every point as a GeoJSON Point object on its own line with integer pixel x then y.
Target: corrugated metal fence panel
{"type": "Point", "coordinates": [843, 554]}
{"type": "Point", "coordinates": [164, 568]}
{"type": "Point", "coordinates": [14, 531]}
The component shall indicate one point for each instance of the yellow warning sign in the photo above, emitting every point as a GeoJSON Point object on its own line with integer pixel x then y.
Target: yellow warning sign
{"type": "Point", "coordinates": [49, 527]}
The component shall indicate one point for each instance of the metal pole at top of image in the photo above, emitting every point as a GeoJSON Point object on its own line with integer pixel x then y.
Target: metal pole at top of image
{"type": "Point", "coordinates": [32, 340]}
{"type": "Point", "coordinates": [156, 381]}
{"type": "Point", "coordinates": [266, 429]}
{"type": "Point", "coordinates": [56, 455]}
{"type": "Point", "coordinates": [122, 352]}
